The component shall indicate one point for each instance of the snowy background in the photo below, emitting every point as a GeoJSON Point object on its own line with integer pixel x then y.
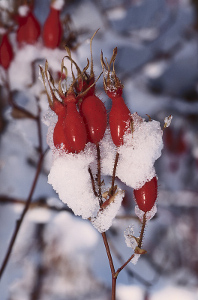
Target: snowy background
{"type": "Point", "coordinates": [60, 256]}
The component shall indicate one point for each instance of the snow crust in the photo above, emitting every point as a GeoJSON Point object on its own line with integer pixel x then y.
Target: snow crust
{"type": "Point", "coordinates": [70, 178]}
{"type": "Point", "coordinates": [137, 155]}
{"type": "Point", "coordinates": [103, 221]}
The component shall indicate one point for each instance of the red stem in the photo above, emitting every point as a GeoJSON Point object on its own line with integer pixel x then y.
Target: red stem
{"type": "Point", "coordinates": [113, 292]}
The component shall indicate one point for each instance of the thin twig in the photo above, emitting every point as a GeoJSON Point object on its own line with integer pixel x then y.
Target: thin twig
{"type": "Point", "coordinates": [19, 221]}
{"type": "Point", "coordinates": [113, 295]}
{"type": "Point", "coordinates": [41, 203]}
{"type": "Point", "coordinates": [142, 231]}
{"type": "Point", "coordinates": [127, 269]}
{"type": "Point", "coordinates": [124, 265]}
{"type": "Point", "coordinates": [29, 199]}
{"type": "Point", "coordinates": [99, 172]}
{"type": "Point", "coordinates": [92, 182]}
{"type": "Point", "coordinates": [114, 173]}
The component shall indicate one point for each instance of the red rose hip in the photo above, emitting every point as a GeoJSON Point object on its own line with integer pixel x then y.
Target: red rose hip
{"type": "Point", "coordinates": [146, 196]}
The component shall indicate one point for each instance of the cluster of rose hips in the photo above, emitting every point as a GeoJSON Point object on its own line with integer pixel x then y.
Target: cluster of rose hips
{"type": "Point", "coordinates": [82, 116]}
{"type": "Point", "coordinates": [29, 30]}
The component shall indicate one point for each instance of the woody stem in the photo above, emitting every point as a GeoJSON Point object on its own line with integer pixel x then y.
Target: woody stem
{"type": "Point", "coordinates": [142, 231]}
{"type": "Point", "coordinates": [114, 173]}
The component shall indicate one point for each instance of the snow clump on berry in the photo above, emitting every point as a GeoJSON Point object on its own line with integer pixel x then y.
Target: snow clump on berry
{"type": "Point", "coordinates": [139, 152]}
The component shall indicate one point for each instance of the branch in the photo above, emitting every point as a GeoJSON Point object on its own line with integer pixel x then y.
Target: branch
{"type": "Point", "coordinates": [19, 221]}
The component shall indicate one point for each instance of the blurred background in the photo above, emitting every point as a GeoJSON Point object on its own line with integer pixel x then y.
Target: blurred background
{"type": "Point", "coordinates": [60, 256]}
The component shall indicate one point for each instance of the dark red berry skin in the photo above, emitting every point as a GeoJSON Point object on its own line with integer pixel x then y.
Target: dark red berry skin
{"type": "Point", "coordinates": [29, 29]}
{"type": "Point", "coordinates": [119, 120]}
{"type": "Point", "coordinates": [33, 29]}
{"type": "Point", "coordinates": [52, 30]}
{"type": "Point", "coordinates": [74, 126]}
{"type": "Point", "coordinates": [94, 115]}
{"type": "Point", "coordinates": [59, 137]}
{"type": "Point", "coordinates": [6, 52]}
{"type": "Point", "coordinates": [146, 196]}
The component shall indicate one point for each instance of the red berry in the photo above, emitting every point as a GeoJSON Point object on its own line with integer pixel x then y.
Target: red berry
{"type": "Point", "coordinates": [74, 126]}
{"type": "Point", "coordinates": [52, 30]}
{"type": "Point", "coordinates": [146, 196]}
{"type": "Point", "coordinates": [6, 52]}
{"type": "Point", "coordinates": [28, 30]}
{"type": "Point", "coordinates": [95, 118]}
{"type": "Point", "coordinates": [119, 120]}
{"type": "Point", "coordinates": [59, 137]}
{"type": "Point", "coordinates": [33, 29]}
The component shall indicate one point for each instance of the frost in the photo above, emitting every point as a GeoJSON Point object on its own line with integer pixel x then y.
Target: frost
{"type": "Point", "coordinates": [135, 258]}
{"type": "Point", "coordinates": [57, 4]}
{"type": "Point", "coordinates": [129, 238]}
{"type": "Point", "coordinates": [149, 214]}
{"type": "Point", "coordinates": [105, 217]}
{"type": "Point", "coordinates": [139, 152]}
{"type": "Point", "coordinates": [108, 153]}
{"type": "Point", "coordinates": [70, 178]}
{"type": "Point", "coordinates": [131, 242]}
{"type": "Point", "coordinates": [167, 121]}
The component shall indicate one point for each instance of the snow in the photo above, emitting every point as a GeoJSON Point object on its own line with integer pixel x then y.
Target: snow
{"type": "Point", "coordinates": [108, 153]}
{"type": "Point", "coordinates": [80, 236]}
{"type": "Point", "coordinates": [125, 292]}
{"type": "Point", "coordinates": [129, 237]}
{"type": "Point", "coordinates": [149, 214]}
{"type": "Point", "coordinates": [103, 221]}
{"type": "Point", "coordinates": [151, 57]}
{"type": "Point", "coordinates": [23, 10]}
{"type": "Point", "coordinates": [174, 292]}
{"type": "Point", "coordinates": [138, 153]}
{"type": "Point", "coordinates": [57, 4]}
{"type": "Point", "coordinates": [70, 178]}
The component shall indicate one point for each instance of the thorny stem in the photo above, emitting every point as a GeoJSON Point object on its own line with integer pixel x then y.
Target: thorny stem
{"type": "Point", "coordinates": [114, 174]}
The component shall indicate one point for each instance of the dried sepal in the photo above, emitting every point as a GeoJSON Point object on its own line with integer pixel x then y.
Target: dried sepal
{"type": "Point", "coordinates": [111, 82]}
{"type": "Point", "coordinates": [140, 251]}
{"type": "Point", "coordinates": [91, 67]}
